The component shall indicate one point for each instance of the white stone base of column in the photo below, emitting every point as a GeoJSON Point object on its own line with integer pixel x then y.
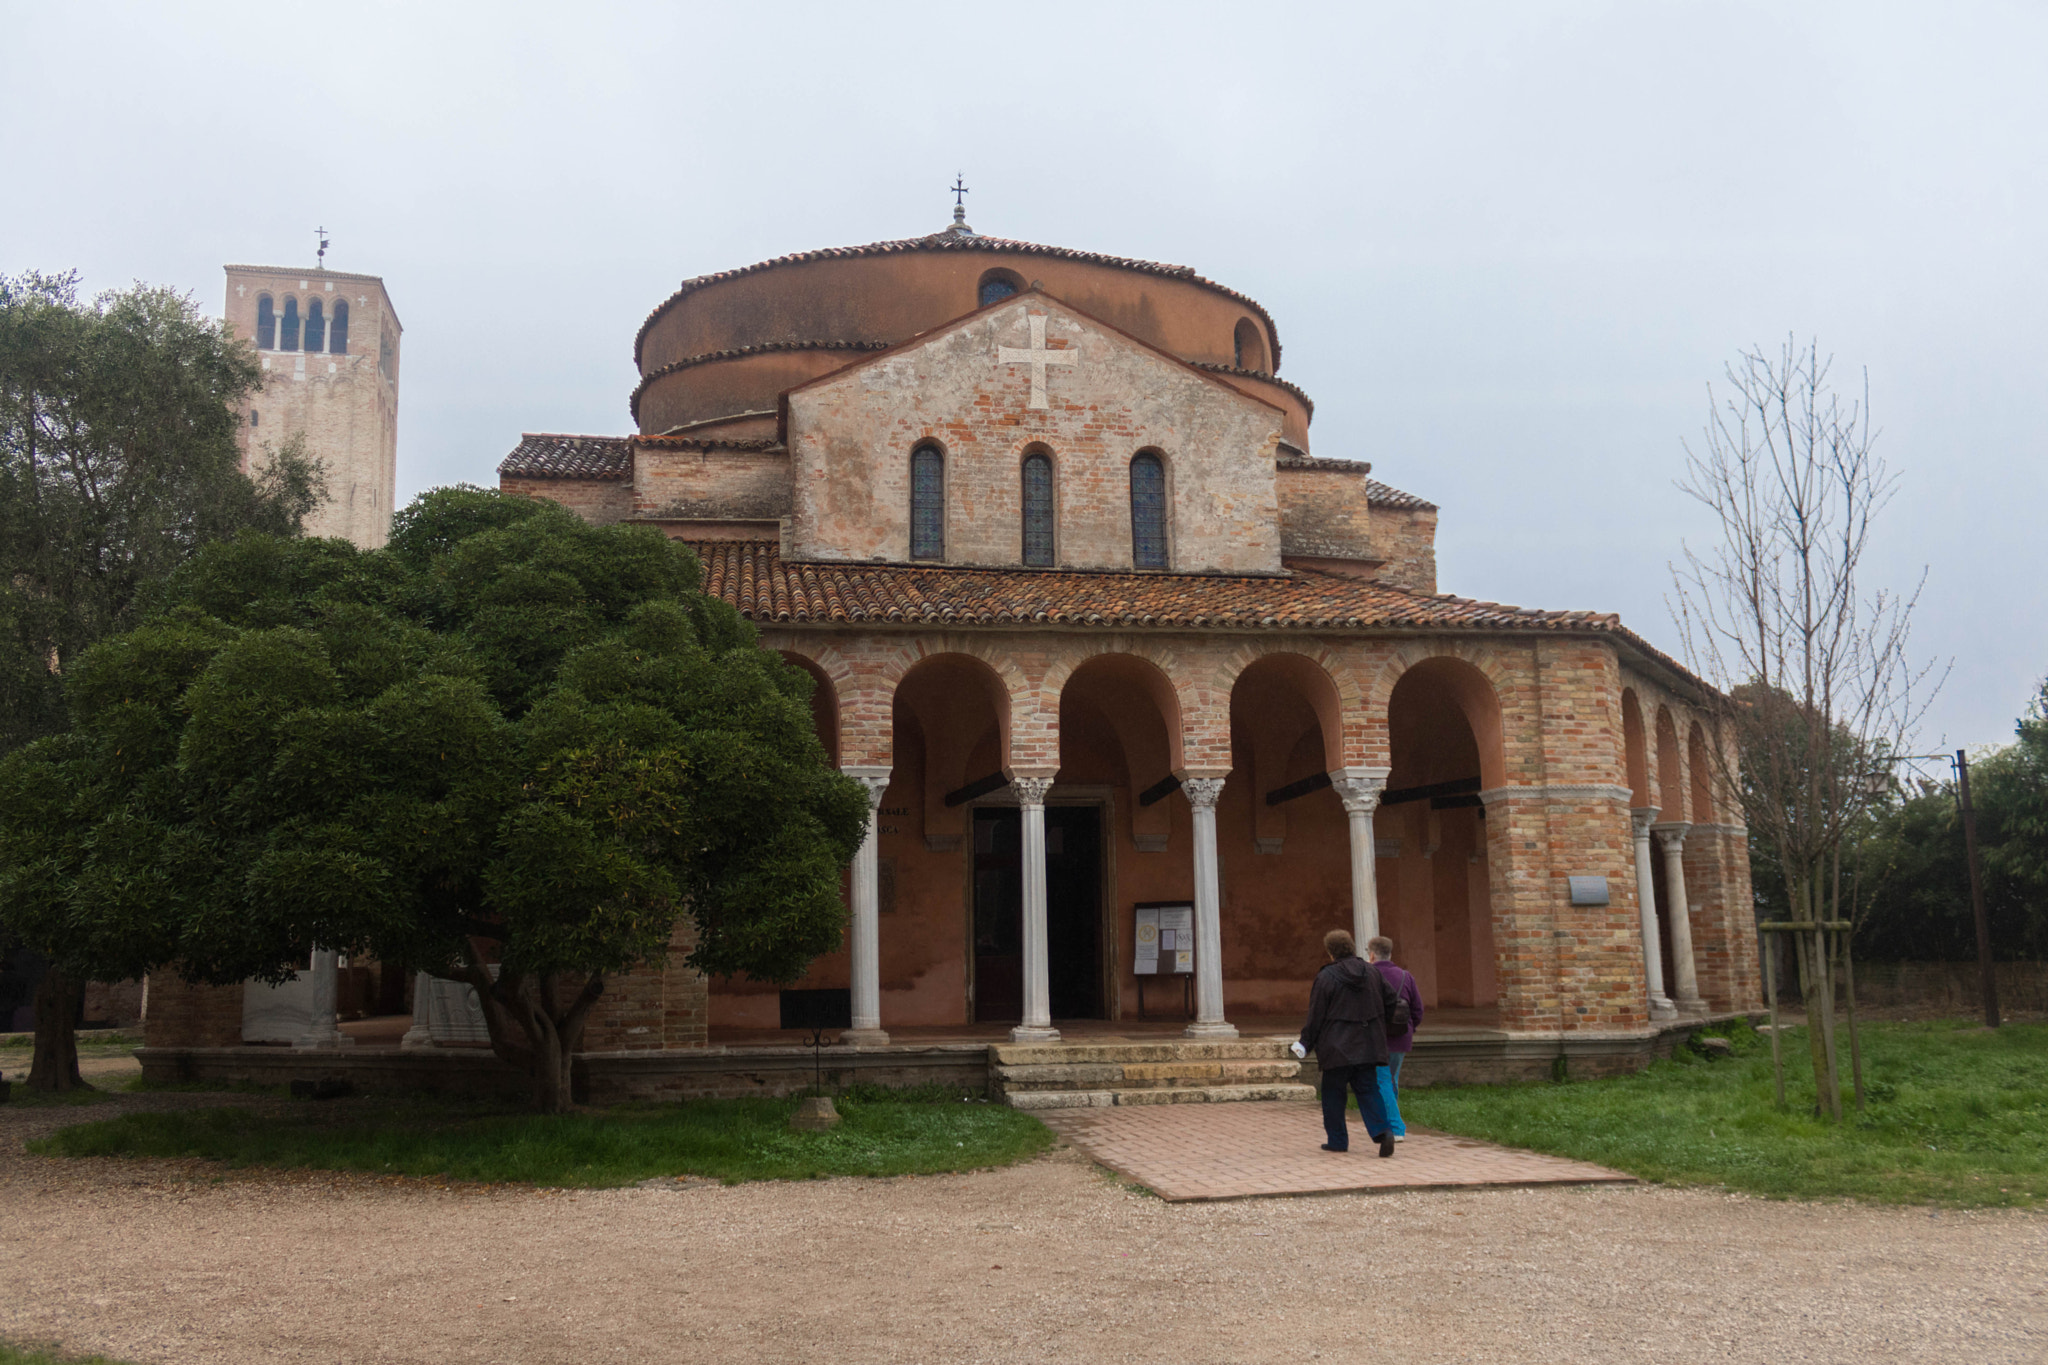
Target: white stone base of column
{"type": "Point", "coordinates": [1660, 1008]}
{"type": "Point", "coordinates": [864, 1037]}
{"type": "Point", "coordinates": [307, 1041]}
{"type": "Point", "coordinates": [1028, 1033]}
{"type": "Point", "coordinates": [419, 1035]}
{"type": "Point", "coordinates": [1685, 1006]}
{"type": "Point", "coordinates": [1214, 1029]}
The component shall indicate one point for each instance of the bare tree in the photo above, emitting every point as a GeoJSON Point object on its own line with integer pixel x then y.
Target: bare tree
{"type": "Point", "coordinates": [1813, 664]}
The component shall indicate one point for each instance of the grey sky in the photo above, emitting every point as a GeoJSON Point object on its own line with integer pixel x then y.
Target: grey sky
{"type": "Point", "coordinates": [1507, 246]}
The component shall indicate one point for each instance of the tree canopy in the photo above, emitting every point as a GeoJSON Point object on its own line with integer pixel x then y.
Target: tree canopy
{"type": "Point", "coordinates": [510, 747]}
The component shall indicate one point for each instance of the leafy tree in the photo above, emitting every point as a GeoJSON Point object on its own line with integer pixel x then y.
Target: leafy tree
{"type": "Point", "coordinates": [118, 462]}
{"type": "Point", "coordinates": [511, 748]}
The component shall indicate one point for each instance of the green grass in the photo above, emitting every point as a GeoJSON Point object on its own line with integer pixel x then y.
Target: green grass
{"type": "Point", "coordinates": [35, 1355]}
{"type": "Point", "coordinates": [882, 1134]}
{"type": "Point", "coordinates": [1956, 1115]}
{"type": "Point", "coordinates": [95, 1041]}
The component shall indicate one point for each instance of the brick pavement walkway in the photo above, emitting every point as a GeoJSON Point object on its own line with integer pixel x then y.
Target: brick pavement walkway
{"type": "Point", "coordinates": [1236, 1151]}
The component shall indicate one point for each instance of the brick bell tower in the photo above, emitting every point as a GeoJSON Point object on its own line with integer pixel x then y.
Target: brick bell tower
{"type": "Point", "coordinates": [329, 344]}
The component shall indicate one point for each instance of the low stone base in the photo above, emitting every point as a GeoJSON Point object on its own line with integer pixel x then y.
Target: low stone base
{"type": "Point", "coordinates": [1104, 1099]}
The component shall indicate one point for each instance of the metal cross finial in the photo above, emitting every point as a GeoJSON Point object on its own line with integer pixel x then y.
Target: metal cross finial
{"type": "Point", "coordinates": [959, 188]}
{"type": "Point", "coordinates": [323, 246]}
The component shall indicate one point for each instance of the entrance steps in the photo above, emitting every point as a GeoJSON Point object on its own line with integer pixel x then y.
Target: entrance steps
{"type": "Point", "coordinates": [1094, 1075]}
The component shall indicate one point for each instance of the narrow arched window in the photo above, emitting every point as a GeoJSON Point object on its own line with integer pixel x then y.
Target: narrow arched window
{"type": "Point", "coordinates": [316, 326]}
{"type": "Point", "coordinates": [289, 340]}
{"type": "Point", "coordinates": [927, 503]}
{"type": "Point", "coordinates": [996, 286]}
{"type": "Point", "coordinates": [1038, 510]}
{"type": "Point", "coordinates": [1248, 348]}
{"type": "Point", "coordinates": [266, 323]}
{"type": "Point", "coordinates": [337, 331]}
{"type": "Point", "coordinates": [1148, 511]}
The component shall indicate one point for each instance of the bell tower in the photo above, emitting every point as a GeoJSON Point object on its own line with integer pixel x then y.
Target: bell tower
{"type": "Point", "coordinates": [329, 345]}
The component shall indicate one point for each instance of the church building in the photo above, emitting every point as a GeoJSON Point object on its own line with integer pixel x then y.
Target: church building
{"type": "Point", "coordinates": [1146, 694]}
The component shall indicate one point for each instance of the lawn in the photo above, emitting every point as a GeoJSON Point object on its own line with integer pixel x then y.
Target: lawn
{"type": "Point", "coordinates": [1956, 1114]}
{"type": "Point", "coordinates": [30, 1355]}
{"type": "Point", "coordinates": [882, 1134]}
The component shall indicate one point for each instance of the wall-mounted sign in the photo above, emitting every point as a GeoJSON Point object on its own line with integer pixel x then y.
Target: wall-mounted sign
{"type": "Point", "coordinates": [1588, 890]}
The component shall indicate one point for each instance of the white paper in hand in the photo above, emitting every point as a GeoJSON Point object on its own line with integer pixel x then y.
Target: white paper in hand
{"type": "Point", "coordinates": [1297, 1049]}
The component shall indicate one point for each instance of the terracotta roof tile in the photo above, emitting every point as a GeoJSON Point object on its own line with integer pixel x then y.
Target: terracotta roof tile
{"type": "Point", "coordinates": [767, 589]}
{"type": "Point", "coordinates": [740, 353]}
{"type": "Point", "coordinates": [548, 455]}
{"type": "Point", "coordinates": [951, 240]}
{"type": "Point", "coordinates": [1376, 493]}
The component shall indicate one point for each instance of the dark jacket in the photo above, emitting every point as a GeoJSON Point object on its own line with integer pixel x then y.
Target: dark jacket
{"type": "Point", "coordinates": [1347, 1015]}
{"type": "Point", "coordinates": [1402, 982]}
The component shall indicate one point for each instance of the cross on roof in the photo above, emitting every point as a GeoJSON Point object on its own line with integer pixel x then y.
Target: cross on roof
{"type": "Point", "coordinates": [1037, 357]}
{"type": "Point", "coordinates": [959, 188]}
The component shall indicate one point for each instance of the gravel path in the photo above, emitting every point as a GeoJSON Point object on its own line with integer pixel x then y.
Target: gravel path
{"type": "Point", "coordinates": [1050, 1261]}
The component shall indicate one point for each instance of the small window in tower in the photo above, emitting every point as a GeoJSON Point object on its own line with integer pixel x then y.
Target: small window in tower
{"type": "Point", "coordinates": [266, 323]}
{"type": "Point", "coordinates": [337, 331]}
{"type": "Point", "coordinates": [252, 417]}
{"type": "Point", "coordinates": [288, 339]}
{"type": "Point", "coordinates": [1248, 348]}
{"type": "Point", "coordinates": [1038, 510]}
{"type": "Point", "coordinates": [996, 285]}
{"type": "Point", "coordinates": [316, 326]}
{"type": "Point", "coordinates": [927, 503]}
{"type": "Point", "coordinates": [1148, 511]}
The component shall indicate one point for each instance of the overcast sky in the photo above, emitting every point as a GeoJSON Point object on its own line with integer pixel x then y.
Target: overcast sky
{"type": "Point", "coordinates": [1507, 246]}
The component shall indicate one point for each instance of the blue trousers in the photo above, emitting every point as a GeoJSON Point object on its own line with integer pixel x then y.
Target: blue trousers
{"type": "Point", "coordinates": [1390, 1082]}
{"type": "Point", "coordinates": [1359, 1080]}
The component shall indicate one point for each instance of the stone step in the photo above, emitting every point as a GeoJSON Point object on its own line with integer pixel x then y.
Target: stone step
{"type": "Point", "coordinates": [1143, 1075]}
{"type": "Point", "coordinates": [1103, 1099]}
{"type": "Point", "coordinates": [1175, 1050]}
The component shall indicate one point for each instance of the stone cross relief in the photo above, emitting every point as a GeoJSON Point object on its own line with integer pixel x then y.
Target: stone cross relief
{"type": "Point", "coordinates": [1037, 357]}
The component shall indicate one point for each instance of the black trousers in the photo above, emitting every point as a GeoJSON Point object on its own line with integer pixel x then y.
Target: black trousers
{"type": "Point", "coordinates": [1362, 1081]}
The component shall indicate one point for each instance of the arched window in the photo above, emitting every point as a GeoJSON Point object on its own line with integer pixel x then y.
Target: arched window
{"type": "Point", "coordinates": [316, 326]}
{"type": "Point", "coordinates": [996, 285]}
{"type": "Point", "coordinates": [337, 331]}
{"type": "Point", "coordinates": [1148, 511]}
{"type": "Point", "coordinates": [253, 414]}
{"type": "Point", "coordinates": [1038, 509]}
{"type": "Point", "coordinates": [289, 340]}
{"type": "Point", "coordinates": [927, 503]}
{"type": "Point", "coordinates": [266, 323]}
{"type": "Point", "coordinates": [1248, 348]}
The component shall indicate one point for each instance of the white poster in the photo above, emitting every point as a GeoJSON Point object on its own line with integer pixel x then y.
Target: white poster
{"type": "Point", "coordinates": [1146, 962]}
{"type": "Point", "coordinates": [1177, 937]}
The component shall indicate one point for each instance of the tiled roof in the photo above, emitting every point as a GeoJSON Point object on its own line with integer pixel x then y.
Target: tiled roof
{"type": "Point", "coordinates": [950, 240]}
{"type": "Point", "coordinates": [740, 352]}
{"type": "Point", "coordinates": [546, 455]}
{"type": "Point", "coordinates": [766, 588]}
{"type": "Point", "coordinates": [1376, 493]}
{"type": "Point", "coordinates": [710, 442]}
{"type": "Point", "coordinates": [1274, 379]}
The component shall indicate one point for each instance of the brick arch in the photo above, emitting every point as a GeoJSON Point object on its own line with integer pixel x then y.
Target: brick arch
{"type": "Point", "coordinates": [1635, 748]}
{"type": "Point", "coordinates": [1671, 785]}
{"type": "Point", "coordinates": [1473, 675]}
{"type": "Point", "coordinates": [1197, 721]}
{"type": "Point", "coordinates": [824, 701]}
{"type": "Point", "coordinates": [1309, 679]}
{"type": "Point", "coordinates": [1700, 774]}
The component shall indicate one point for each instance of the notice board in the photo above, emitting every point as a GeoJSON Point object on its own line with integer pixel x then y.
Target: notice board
{"type": "Point", "coordinates": [1166, 938]}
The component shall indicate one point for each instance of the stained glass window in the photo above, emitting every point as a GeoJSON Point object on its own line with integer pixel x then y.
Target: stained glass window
{"type": "Point", "coordinates": [337, 334]}
{"type": "Point", "coordinates": [1038, 510]}
{"type": "Point", "coordinates": [994, 289]}
{"type": "Point", "coordinates": [266, 323]}
{"type": "Point", "coordinates": [316, 326]}
{"type": "Point", "coordinates": [289, 341]}
{"type": "Point", "coordinates": [927, 503]}
{"type": "Point", "coordinates": [1148, 511]}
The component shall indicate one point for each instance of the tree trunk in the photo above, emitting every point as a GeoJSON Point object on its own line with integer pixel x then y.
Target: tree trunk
{"type": "Point", "coordinates": [55, 1068]}
{"type": "Point", "coordinates": [547, 1034]}
{"type": "Point", "coordinates": [1814, 995]}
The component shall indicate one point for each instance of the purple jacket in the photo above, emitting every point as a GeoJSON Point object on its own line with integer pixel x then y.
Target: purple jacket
{"type": "Point", "coordinates": [1404, 986]}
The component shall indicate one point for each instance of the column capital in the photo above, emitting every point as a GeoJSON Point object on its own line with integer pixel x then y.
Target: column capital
{"type": "Point", "coordinates": [1359, 788]}
{"type": "Point", "coordinates": [1202, 791]}
{"type": "Point", "coordinates": [1640, 819]}
{"type": "Point", "coordinates": [874, 778]}
{"type": "Point", "coordinates": [1031, 790]}
{"type": "Point", "coordinates": [1671, 834]}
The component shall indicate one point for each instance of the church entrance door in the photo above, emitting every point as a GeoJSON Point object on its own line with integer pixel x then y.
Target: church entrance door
{"type": "Point", "coordinates": [1073, 915]}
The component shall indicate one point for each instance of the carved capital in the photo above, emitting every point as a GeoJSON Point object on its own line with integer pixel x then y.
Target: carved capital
{"type": "Point", "coordinates": [1202, 791]}
{"type": "Point", "coordinates": [1671, 835]}
{"type": "Point", "coordinates": [875, 779]}
{"type": "Point", "coordinates": [1640, 819]}
{"type": "Point", "coordinates": [1360, 795]}
{"type": "Point", "coordinates": [1031, 790]}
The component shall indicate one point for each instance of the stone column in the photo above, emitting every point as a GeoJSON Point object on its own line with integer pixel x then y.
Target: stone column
{"type": "Point", "coordinates": [1202, 793]}
{"type": "Point", "coordinates": [1359, 789]}
{"type": "Point", "coordinates": [1640, 820]}
{"type": "Point", "coordinates": [865, 975]}
{"type": "Point", "coordinates": [321, 1030]}
{"type": "Point", "coordinates": [421, 1034]}
{"type": "Point", "coordinates": [1037, 1026]}
{"type": "Point", "coordinates": [1686, 989]}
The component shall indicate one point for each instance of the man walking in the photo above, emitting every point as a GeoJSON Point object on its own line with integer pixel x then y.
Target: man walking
{"type": "Point", "coordinates": [1380, 951]}
{"type": "Point", "coordinates": [1347, 1012]}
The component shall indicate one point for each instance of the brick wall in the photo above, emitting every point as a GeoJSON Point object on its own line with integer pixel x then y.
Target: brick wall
{"type": "Point", "coordinates": [182, 1014]}
{"type": "Point", "coordinates": [602, 502]}
{"type": "Point", "coordinates": [1407, 542]}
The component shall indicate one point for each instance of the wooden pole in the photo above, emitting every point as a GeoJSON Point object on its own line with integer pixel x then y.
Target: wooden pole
{"type": "Point", "coordinates": [1987, 977]}
{"type": "Point", "coordinates": [1771, 995]}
